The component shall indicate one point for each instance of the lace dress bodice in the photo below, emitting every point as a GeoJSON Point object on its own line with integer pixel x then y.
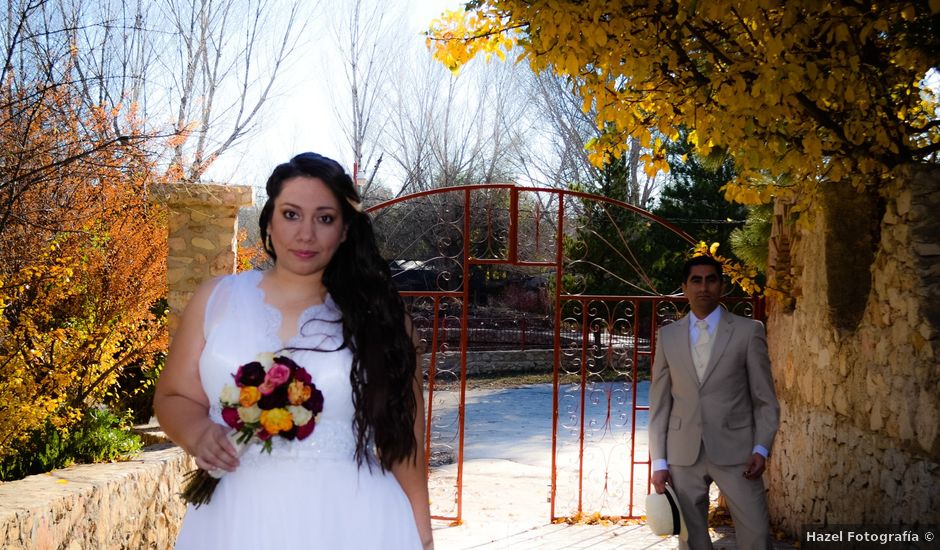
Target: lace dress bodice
{"type": "Point", "coordinates": [240, 324]}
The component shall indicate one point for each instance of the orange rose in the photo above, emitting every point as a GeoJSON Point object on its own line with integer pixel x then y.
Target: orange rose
{"type": "Point", "coordinates": [248, 396]}
{"type": "Point", "coordinates": [297, 392]}
{"type": "Point", "coordinates": [276, 420]}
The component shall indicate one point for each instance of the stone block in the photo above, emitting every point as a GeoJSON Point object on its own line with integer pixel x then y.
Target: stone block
{"type": "Point", "coordinates": [175, 276]}
{"type": "Point", "coordinates": [202, 243]}
{"type": "Point", "coordinates": [227, 222]}
{"type": "Point", "coordinates": [223, 264]}
{"type": "Point", "coordinates": [227, 240]}
{"type": "Point", "coordinates": [876, 421]}
{"type": "Point", "coordinates": [208, 194]}
{"type": "Point", "coordinates": [176, 244]}
{"type": "Point", "coordinates": [890, 217]}
{"type": "Point", "coordinates": [927, 420]}
{"type": "Point", "coordinates": [926, 248]}
{"type": "Point", "coordinates": [203, 215]}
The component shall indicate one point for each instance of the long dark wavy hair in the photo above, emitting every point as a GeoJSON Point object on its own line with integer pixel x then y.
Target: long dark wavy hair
{"type": "Point", "coordinates": [360, 282]}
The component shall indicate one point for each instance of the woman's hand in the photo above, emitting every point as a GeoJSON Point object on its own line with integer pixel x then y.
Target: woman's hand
{"type": "Point", "coordinates": [214, 451]}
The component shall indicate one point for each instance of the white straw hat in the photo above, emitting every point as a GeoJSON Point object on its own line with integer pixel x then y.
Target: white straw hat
{"type": "Point", "coordinates": [663, 515]}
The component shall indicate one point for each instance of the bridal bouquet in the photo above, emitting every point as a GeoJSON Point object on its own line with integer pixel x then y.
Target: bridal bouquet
{"type": "Point", "coordinates": [272, 396]}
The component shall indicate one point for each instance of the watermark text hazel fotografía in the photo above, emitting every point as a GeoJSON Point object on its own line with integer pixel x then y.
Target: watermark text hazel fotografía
{"type": "Point", "coordinates": [868, 536]}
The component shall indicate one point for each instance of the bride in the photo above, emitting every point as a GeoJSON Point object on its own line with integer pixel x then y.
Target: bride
{"type": "Point", "coordinates": [358, 481]}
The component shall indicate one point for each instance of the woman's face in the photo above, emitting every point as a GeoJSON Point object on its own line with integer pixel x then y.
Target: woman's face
{"type": "Point", "coordinates": [306, 226]}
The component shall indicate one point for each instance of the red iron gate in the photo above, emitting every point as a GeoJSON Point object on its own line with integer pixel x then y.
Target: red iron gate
{"type": "Point", "coordinates": [459, 248]}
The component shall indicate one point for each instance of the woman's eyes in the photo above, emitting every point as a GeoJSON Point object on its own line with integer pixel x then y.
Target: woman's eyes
{"type": "Point", "coordinates": [325, 218]}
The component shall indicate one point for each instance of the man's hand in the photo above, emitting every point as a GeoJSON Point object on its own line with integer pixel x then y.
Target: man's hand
{"type": "Point", "coordinates": [755, 466]}
{"type": "Point", "coordinates": [660, 479]}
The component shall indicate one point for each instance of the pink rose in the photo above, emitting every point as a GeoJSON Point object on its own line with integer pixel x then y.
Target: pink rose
{"type": "Point", "coordinates": [266, 388]}
{"type": "Point", "coordinates": [277, 375]}
{"type": "Point", "coordinates": [286, 361]}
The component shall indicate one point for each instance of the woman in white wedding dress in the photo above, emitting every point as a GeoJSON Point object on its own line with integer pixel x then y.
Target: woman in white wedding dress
{"type": "Point", "coordinates": [358, 481]}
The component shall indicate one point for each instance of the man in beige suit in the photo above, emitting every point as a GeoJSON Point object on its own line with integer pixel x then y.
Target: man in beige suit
{"type": "Point", "coordinates": [713, 411]}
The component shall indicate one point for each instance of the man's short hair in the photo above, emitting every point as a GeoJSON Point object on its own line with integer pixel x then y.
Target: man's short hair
{"type": "Point", "coordinates": [700, 260]}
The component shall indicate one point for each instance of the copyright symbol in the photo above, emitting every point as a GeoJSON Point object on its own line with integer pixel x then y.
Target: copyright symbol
{"type": "Point", "coordinates": [928, 536]}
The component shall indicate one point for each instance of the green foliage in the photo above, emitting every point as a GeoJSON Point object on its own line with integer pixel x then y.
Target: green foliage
{"type": "Point", "coordinates": [620, 252]}
{"type": "Point", "coordinates": [751, 242]}
{"type": "Point", "coordinates": [101, 436]}
{"type": "Point", "coordinates": [133, 391]}
{"type": "Point", "coordinates": [134, 387]}
{"type": "Point", "coordinates": [692, 200]}
{"type": "Point", "coordinates": [608, 252]}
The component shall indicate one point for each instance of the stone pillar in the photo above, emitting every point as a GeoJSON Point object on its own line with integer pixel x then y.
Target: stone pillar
{"type": "Point", "coordinates": [203, 224]}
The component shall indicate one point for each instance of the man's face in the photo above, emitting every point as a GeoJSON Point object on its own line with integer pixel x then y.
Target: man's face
{"type": "Point", "coordinates": [702, 289]}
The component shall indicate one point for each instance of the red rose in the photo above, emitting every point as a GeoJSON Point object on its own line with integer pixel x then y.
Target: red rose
{"type": "Point", "coordinates": [306, 429]}
{"type": "Point", "coordinates": [315, 403]}
{"type": "Point", "coordinates": [303, 376]}
{"type": "Point", "coordinates": [230, 416]}
{"type": "Point", "coordinates": [276, 399]}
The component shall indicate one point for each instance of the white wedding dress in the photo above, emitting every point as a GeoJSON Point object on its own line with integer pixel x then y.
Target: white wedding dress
{"type": "Point", "coordinates": [304, 494]}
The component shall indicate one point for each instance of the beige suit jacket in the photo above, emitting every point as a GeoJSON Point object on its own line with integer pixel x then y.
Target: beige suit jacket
{"type": "Point", "coordinates": [732, 410]}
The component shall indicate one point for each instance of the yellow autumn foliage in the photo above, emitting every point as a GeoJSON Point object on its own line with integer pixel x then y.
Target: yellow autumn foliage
{"type": "Point", "coordinates": [801, 89]}
{"type": "Point", "coordinates": [740, 275]}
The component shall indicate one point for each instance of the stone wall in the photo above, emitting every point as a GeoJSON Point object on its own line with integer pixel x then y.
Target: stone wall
{"type": "Point", "coordinates": [855, 361]}
{"type": "Point", "coordinates": [133, 504]}
{"type": "Point", "coordinates": [202, 241]}
{"type": "Point", "coordinates": [506, 361]}
{"type": "Point", "coordinates": [492, 362]}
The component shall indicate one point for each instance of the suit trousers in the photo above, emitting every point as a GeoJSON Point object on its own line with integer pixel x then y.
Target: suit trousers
{"type": "Point", "coordinates": [746, 498]}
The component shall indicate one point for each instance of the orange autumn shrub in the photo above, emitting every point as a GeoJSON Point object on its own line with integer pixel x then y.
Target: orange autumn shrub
{"type": "Point", "coordinates": [82, 260]}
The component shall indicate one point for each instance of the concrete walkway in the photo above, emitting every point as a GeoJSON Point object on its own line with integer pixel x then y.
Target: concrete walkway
{"type": "Point", "coordinates": [505, 506]}
{"type": "Point", "coordinates": [622, 537]}
{"type": "Point", "coordinates": [507, 473]}
{"type": "Point", "coordinates": [595, 537]}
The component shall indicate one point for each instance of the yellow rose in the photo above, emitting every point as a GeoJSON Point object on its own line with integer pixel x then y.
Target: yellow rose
{"type": "Point", "coordinates": [276, 420]}
{"type": "Point", "coordinates": [297, 392]}
{"type": "Point", "coordinates": [249, 396]}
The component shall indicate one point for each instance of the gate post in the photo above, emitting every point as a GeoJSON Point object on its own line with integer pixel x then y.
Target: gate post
{"type": "Point", "coordinates": [203, 225]}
